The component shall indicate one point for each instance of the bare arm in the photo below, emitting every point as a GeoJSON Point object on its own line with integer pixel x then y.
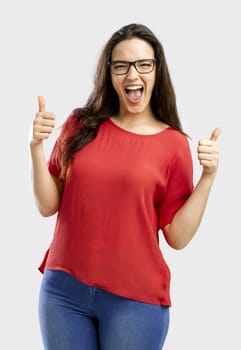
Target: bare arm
{"type": "Point", "coordinates": [188, 218]}
{"type": "Point", "coordinates": [46, 189]}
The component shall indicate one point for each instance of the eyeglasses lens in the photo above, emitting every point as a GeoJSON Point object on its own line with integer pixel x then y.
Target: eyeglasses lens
{"type": "Point", "coordinates": [142, 66]}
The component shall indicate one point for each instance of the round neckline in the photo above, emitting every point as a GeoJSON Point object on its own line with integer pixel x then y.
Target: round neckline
{"type": "Point", "coordinates": [135, 133]}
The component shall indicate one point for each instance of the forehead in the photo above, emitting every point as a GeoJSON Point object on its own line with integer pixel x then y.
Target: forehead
{"type": "Point", "coordinates": [132, 49]}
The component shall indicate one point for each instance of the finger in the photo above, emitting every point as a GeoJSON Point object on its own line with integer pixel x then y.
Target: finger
{"type": "Point", "coordinates": [206, 156]}
{"type": "Point", "coordinates": [50, 122]}
{"type": "Point", "coordinates": [42, 128]}
{"type": "Point", "coordinates": [207, 148]}
{"type": "Point", "coordinates": [45, 117]}
{"type": "Point", "coordinates": [49, 116]}
{"type": "Point", "coordinates": [41, 104]}
{"type": "Point", "coordinates": [215, 134]}
{"type": "Point", "coordinates": [42, 136]}
{"type": "Point", "coordinates": [206, 163]}
{"type": "Point", "coordinates": [46, 130]}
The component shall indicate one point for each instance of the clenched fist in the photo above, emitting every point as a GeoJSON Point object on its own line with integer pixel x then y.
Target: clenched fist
{"type": "Point", "coordinates": [208, 153]}
{"type": "Point", "coordinates": [43, 124]}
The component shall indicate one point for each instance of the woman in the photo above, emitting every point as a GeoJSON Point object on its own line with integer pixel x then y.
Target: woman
{"type": "Point", "coordinates": [120, 171]}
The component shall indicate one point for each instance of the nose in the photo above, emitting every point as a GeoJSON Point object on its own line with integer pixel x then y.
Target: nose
{"type": "Point", "coordinates": [132, 74]}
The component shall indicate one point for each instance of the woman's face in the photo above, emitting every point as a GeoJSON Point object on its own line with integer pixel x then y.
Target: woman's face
{"type": "Point", "coordinates": [133, 89]}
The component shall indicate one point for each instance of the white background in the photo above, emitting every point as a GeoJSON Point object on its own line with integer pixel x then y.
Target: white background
{"type": "Point", "coordinates": [50, 48]}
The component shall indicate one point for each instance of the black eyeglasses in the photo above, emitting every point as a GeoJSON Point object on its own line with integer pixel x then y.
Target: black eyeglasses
{"type": "Point", "coordinates": [143, 66]}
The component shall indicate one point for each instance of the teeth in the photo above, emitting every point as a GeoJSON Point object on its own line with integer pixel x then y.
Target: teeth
{"type": "Point", "coordinates": [133, 87]}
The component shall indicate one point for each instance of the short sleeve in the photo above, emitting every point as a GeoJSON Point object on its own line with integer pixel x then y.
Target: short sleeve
{"type": "Point", "coordinates": [179, 184]}
{"type": "Point", "coordinates": [53, 162]}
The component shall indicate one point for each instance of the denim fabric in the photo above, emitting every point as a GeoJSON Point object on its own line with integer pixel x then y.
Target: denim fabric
{"type": "Point", "coordinates": [75, 316]}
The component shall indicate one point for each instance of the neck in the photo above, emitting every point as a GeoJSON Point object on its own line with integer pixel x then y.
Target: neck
{"type": "Point", "coordinates": [134, 119]}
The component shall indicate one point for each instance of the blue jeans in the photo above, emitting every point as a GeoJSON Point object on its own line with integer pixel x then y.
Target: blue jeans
{"type": "Point", "coordinates": [75, 316]}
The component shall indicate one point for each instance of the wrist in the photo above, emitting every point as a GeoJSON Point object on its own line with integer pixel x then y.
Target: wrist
{"type": "Point", "coordinates": [209, 177]}
{"type": "Point", "coordinates": [35, 147]}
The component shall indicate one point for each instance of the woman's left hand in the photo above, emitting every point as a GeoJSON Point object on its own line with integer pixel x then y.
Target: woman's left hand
{"type": "Point", "coordinates": [208, 153]}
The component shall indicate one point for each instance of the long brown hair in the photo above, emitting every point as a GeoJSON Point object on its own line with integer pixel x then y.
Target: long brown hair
{"type": "Point", "coordinates": [103, 102]}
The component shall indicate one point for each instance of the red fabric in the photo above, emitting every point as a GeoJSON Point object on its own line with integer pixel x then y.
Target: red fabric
{"type": "Point", "coordinates": [121, 189]}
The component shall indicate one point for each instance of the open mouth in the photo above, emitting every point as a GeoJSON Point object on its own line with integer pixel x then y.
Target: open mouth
{"type": "Point", "coordinates": [134, 93]}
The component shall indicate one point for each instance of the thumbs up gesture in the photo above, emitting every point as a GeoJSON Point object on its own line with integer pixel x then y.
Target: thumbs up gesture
{"type": "Point", "coordinates": [43, 123]}
{"type": "Point", "coordinates": [208, 153]}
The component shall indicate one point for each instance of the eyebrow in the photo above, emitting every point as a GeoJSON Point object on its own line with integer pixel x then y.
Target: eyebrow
{"type": "Point", "coordinates": [140, 59]}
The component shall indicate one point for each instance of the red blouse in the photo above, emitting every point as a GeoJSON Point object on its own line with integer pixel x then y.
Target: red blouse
{"type": "Point", "coordinates": [122, 188]}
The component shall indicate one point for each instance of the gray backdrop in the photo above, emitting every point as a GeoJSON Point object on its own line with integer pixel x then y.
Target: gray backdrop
{"type": "Point", "coordinates": [50, 48]}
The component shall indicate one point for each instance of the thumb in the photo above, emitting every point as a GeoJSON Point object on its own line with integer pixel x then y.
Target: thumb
{"type": "Point", "coordinates": [215, 134]}
{"type": "Point", "coordinates": [41, 104]}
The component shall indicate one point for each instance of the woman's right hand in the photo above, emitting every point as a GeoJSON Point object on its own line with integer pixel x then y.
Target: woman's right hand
{"type": "Point", "coordinates": [43, 124]}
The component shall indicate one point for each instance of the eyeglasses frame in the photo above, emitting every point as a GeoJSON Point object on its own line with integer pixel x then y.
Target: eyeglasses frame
{"type": "Point", "coordinates": [133, 63]}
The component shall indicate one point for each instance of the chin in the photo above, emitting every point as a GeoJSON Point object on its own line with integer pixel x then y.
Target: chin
{"type": "Point", "coordinates": [135, 109]}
